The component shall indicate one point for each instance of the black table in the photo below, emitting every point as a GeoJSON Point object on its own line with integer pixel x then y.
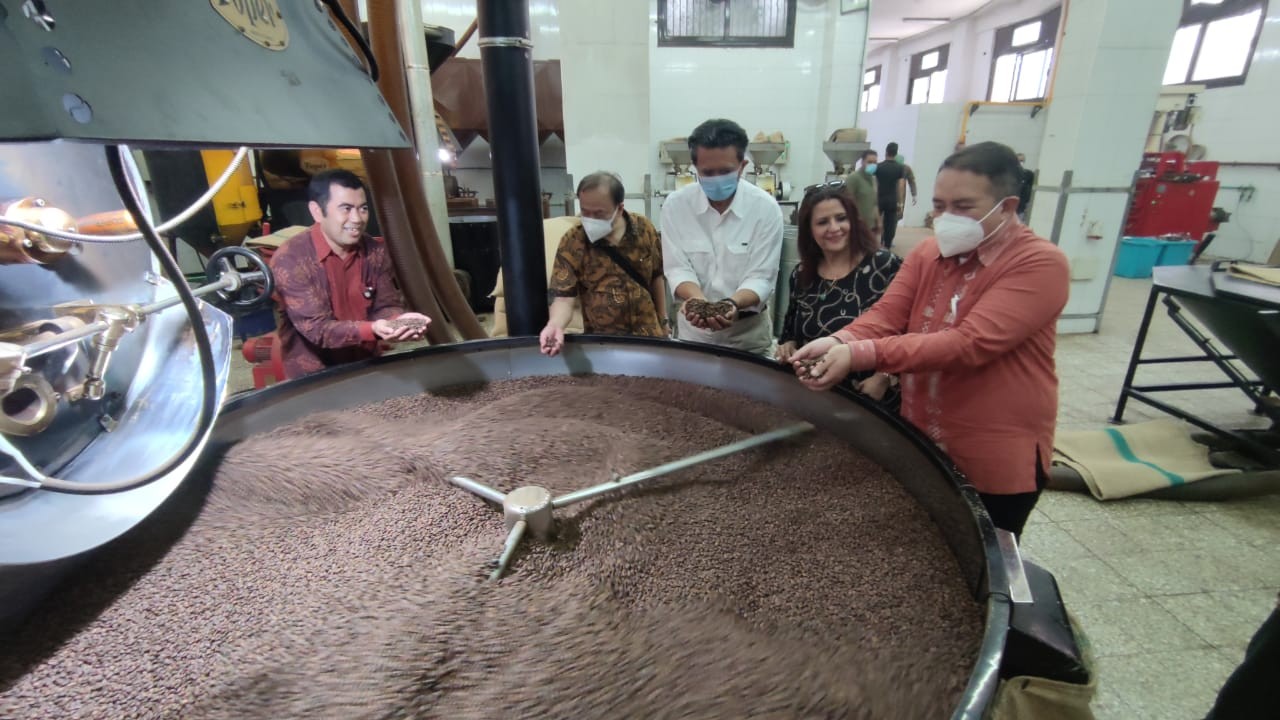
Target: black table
{"type": "Point", "coordinates": [1242, 315]}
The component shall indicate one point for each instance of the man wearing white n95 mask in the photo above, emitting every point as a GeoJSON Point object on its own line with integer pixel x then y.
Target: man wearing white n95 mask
{"type": "Point", "coordinates": [968, 325]}
{"type": "Point", "coordinates": [721, 241]}
{"type": "Point", "coordinates": [612, 263]}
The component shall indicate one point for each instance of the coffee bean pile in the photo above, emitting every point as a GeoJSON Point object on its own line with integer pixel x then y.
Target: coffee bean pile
{"type": "Point", "coordinates": [806, 367]}
{"type": "Point", "coordinates": [705, 310]}
{"type": "Point", "coordinates": [331, 571]}
{"type": "Point", "coordinates": [410, 322]}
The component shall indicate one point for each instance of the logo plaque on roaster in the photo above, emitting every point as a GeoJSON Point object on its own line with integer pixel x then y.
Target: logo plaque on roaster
{"type": "Point", "coordinates": [259, 20]}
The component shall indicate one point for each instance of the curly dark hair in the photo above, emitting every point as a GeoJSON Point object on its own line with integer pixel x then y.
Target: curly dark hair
{"type": "Point", "coordinates": [810, 254]}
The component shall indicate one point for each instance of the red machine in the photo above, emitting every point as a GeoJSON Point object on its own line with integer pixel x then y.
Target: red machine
{"type": "Point", "coordinates": [1173, 197]}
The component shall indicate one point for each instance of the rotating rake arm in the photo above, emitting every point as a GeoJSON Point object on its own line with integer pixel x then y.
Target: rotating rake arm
{"type": "Point", "coordinates": [530, 508]}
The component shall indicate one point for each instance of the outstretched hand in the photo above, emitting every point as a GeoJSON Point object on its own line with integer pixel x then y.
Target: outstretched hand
{"type": "Point", "coordinates": [822, 363]}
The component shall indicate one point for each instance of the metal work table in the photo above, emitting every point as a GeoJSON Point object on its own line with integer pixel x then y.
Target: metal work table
{"type": "Point", "coordinates": [1242, 315]}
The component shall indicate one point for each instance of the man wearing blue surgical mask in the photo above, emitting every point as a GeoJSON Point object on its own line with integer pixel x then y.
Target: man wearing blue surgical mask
{"type": "Point", "coordinates": [866, 195]}
{"type": "Point", "coordinates": [721, 243]}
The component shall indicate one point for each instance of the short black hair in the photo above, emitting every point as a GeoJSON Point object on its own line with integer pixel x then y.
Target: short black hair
{"type": "Point", "coordinates": [891, 150]}
{"type": "Point", "coordinates": [607, 180]}
{"type": "Point", "coordinates": [992, 160]}
{"type": "Point", "coordinates": [865, 153]}
{"type": "Point", "coordinates": [318, 189]}
{"type": "Point", "coordinates": [718, 133]}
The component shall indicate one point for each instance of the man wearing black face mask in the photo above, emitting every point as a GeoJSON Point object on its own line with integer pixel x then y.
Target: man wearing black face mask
{"type": "Point", "coordinates": [721, 243]}
{"type": "Point", "coordinates": [969, 326]}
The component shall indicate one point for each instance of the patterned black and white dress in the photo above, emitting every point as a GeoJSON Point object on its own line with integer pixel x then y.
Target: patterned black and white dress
{"type": "Point", "coordinates": [826, 306]}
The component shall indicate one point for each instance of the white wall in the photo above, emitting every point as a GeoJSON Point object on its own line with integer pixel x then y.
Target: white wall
{"type": "Point", "coordinates": [927, 134]}
{"type": "Point", "coordinates": [805, 92]}
{"type": "Point", "coordinates": [605, 74]}
{"type": "Point", "coordinates": [623, 94]}
{"type": "Point", "coordinates": [971, 38]}
{"type": "Point", "coordinates": [1238, 124]}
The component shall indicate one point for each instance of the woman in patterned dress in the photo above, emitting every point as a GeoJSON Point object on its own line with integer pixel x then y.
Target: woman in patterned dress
{"type": "Point", "coordinates": [842, 272]}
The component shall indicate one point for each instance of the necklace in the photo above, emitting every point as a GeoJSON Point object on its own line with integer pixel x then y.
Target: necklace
{"type": "Point", "coordinates": [827, 285]}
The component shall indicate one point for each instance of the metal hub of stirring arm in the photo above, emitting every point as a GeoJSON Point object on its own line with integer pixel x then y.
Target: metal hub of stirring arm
{"type": "Point", "coordinates": [529, 508]}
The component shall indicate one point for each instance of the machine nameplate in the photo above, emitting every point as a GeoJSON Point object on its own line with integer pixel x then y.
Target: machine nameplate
{"type": "Point", "coordinates": [259, 20]}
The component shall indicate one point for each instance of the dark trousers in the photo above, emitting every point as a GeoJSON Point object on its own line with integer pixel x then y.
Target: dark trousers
{"type": "Point", "coordinates": [889, 215]}
{"type": "Point", "coordinates": [1010, 512]}
{"type": "Point", "coordinates": [1252, 691]}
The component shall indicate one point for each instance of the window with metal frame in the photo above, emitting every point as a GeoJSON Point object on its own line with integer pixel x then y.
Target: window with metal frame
{"type": "Point", "coordinates": [726, 23]}
{"type": "Point", "coordinates": [1024, 58]}
{"type": "Point", "coordinates": [1215, 42]}
{"type": "Point", "coordinates": [928, 78]}
{"type": "Point", "coordinates": [870, 89]}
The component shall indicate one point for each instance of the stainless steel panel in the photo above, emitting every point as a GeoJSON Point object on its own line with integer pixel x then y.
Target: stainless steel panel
{"type": "Point", "coordinates": [141, 71]}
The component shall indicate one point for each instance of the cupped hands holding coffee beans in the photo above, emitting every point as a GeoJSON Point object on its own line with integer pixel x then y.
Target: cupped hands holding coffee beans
{"type": "Point", "coordinates": [707, 315]}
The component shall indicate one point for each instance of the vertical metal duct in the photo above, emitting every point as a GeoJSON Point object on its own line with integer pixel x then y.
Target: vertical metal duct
{"type": "Point", "coordinates": [506, 53]}
{"type": "Point", "coordinates": [384, 37]}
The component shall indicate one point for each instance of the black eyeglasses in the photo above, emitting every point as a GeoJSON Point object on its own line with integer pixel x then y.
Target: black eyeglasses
{"type": "Point", "coordinates": [814, 188]}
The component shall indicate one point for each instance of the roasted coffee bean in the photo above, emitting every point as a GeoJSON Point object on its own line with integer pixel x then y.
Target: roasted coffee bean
{"type": "Point", "coordinates": [331, 571]}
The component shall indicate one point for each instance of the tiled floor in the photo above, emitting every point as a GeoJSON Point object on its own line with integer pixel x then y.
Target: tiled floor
{"type": "Point", "coordinates": [1169, 593]}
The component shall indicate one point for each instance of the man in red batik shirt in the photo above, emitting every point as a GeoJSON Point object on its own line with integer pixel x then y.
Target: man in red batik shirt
{"type": "Point", "coordinates": [334, 284]}
{"type": "Point", "coordinates": [969, 325]}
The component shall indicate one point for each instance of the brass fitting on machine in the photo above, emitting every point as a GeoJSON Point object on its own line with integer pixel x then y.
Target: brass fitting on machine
{"type": "Point", "coordinates": [28, 407]}
{"type": "Point", "coordinates": [23, 246]}
{"type": "Point", "coordinates": [27, 401]}
{"type": "Point", "coordinates": [120, 321]}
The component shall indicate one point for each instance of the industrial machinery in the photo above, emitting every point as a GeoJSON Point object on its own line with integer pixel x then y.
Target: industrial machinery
{"type": "Point", "coordinates": [1174, 197]}
{"type": "Point", "coordinates": [111, 396]}
{"type": "Point", "coordinates": [765, 157]}
{"type": "Point", "coordinates": [1026, 631]}
{"type": "Point", "coordinates": [108, 392]}
{"type": "Point", "coordinates": [845, 148]}
{"type": "Point", "coordinates": [676, 153]}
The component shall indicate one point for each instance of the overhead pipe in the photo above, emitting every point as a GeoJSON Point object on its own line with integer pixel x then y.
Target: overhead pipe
{"type": "Point", "coordinates": [426, 134]}
{"type": "Point", "coordinates": [407, 261]}
{"type": "Point", "coordinates": [385, 40]}
{"type": "Point", "coordinates": [399, 238]}
{"type": "Point", "coordinates": [506, 54]}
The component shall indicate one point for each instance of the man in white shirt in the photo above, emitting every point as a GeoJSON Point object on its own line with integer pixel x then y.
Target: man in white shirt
{"type": "Point", "coordinates": [721, 242]}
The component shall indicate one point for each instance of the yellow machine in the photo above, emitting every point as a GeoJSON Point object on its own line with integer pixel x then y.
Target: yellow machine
{"type": "Point", "coordinates": [235, 206]}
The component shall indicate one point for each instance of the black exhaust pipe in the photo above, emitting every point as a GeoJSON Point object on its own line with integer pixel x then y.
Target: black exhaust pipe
{"type": "Point", "coordinates": [506, 54]}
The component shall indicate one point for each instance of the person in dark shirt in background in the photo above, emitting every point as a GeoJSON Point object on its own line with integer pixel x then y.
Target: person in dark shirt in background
{"type": "Point", "coordinates": [891, 180]}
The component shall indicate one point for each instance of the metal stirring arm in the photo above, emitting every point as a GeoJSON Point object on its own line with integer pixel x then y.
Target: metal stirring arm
{"type": "Point", "coordinates": [667, 468]}
{"type": "Point", "coordinates": [530, 508]}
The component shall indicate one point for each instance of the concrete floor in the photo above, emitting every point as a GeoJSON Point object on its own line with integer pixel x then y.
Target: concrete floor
{"type": "Point", "coordinates": [1168, 593]}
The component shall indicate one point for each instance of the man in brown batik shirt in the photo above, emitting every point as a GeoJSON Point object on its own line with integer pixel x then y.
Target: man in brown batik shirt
{"type": "Point", "coordinates": [616, 299]}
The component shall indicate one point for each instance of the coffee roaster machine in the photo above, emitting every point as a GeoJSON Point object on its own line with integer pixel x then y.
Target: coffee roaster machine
{"type": "Point", "coordinates": [112, 393]}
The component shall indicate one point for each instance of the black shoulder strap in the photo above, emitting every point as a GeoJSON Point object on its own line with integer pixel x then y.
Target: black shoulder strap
{"type": "Point", "coordinates": [622, 262]}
